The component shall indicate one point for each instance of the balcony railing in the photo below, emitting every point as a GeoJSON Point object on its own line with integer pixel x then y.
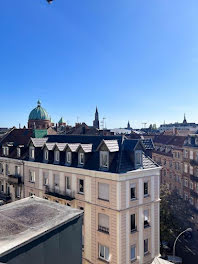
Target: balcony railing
{"type": "Point", "coordinates": [103, 229]}
{"type": "Point", "coordinates": [57, 193]}
{"type": "Point", "coordinates": [14, 179]}
{"type": "Point", "coordinates": [194, 194]}
{"type": "Point", "coordinates": [5, 197]}
{"type": "Point", "coordinates": [194, 178]}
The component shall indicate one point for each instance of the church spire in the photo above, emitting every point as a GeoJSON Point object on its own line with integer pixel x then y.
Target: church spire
{"type": "Point", "coordinates": [184, 121]}
{"type": "Point", "coordinates": [96, 120]}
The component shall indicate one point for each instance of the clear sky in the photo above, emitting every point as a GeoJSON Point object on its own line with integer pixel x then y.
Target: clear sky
{"type": "Point", "coordinates": [136, 60]}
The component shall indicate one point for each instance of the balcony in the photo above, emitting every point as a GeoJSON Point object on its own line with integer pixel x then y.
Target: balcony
{"type": "Point", "coordinates": [103, 229]}
{"type": "Point", "coordinates": [194, 162]}
{"type": "Point", "coordinates": [14, 179]}
{"type": "Point", "coordinates": [194, 178]}
{"type": "Point", "coordinates": [193, 194]}
{"type": "Point", "coordinates": [5, 197]}
{"type": "Point", "coordinates": [56, 193]}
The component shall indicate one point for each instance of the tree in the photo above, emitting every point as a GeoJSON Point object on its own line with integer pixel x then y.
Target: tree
{"type": "Point", "coordinates": [175, 214]}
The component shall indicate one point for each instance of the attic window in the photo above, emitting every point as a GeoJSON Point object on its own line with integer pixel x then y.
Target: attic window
{"type": "Point", "coordinates": [5, 151]}
{"type": "Point", "coordinates": [18, 152]}
{"type": "Point", "coordinates": [32, 152]}
{"type": "Point", "coordinates": [81, 158]}
{"type": "Point", "coordinates": [68, 157]}
{"type": "Point", "coordinates": [46, 154]}
{"type": "Point", "coordinates": [57, 155]}
{"type": "Point", "coordinates": [104, 159]}
{"type": "Point", "coordinates": [138, 158]}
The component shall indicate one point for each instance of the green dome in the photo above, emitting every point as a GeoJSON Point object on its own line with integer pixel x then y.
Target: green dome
{"type": "Point", "coordinates": [39, 113]}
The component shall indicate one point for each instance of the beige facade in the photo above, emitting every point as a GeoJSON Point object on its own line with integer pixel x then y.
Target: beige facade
{"type": "Point", "coordinates": [108, 203]}
{"type": "Point", "coordinates": [11, 179]}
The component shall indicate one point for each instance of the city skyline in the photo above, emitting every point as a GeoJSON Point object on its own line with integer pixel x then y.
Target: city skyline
{"type": "Point", "coordinates": [126, 58]}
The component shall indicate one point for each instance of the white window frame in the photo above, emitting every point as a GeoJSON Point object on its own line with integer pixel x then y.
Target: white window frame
{"type": "Point", "coordinates": [138, 161]}
{"type": "Point", "coordinates": [133, 247]}
{"type": "Point", "coordinates": [185, 167]}
{"type": "Point", "coordinates": [81, 192]}
{"type": "Point", "coordinates": [45, 179]}
{"type": "Point", "coordinates": [146, 218]}
{"type": "Point", "coordinates": [17, 170]}
{"type": "Point", "coordinates": [68, 182]}
{"type": "Point", "coordinates": [32, 152]}
{"type": "Point", "coordinates": [81, 158]}
{"type": "Point", "coordinates": [32, 176]}
{"type": "Point", "coordinates": [103, 195]}
{"type": "Point", "coordinates": [106, 249]}
{"type": "Point", "coordinates": [68, 157]}
{"type": "Point", "coordinates": [57, 155]}
{"type": "Point", "coordinates": [18, 152]}
{"type": "Point", "coordinates": [191, 154]}
{"type": "Point", "coordinates": [102, 155]}
{"type": "Point", "coordinates": [5, 150]}
{"type": "Point", "coordinates": [133, 186]}
{"type": "Point", "coordinates": [46, 154]}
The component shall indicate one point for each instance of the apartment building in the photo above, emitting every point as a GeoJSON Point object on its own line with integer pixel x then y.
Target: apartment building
{"type": "Point", "coordinates": [190, 173]}
{"type": "Point", "coordinates": [112, 180]}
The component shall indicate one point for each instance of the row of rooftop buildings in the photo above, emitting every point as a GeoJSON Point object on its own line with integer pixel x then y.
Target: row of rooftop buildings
{"type": "Point", "coordinates": [111, 178]}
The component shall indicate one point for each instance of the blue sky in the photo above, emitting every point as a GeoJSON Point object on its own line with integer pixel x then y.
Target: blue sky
{"type": "Point", "coordinates": [136, 60]}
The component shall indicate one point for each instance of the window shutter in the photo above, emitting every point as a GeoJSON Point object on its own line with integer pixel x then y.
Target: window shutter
{"type": "Point", "coordinates": [103, 220]}
{"type": "Point", "coordinates": [103, 191]}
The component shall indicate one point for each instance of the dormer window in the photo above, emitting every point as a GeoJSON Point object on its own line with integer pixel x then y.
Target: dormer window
{"type": "Point", "coordinates": [189, 141]}
{"type": "Point", "coordinates": [68, 157]}
{"type": "Point", "coordinates": [18, 152]}
{"type": "Point", "coordinates": [196, 141]}
{"type": "Point", "coordinates": [138, 158]}
{"type": "Point", "coordinates": [81, 158]}
{"type": "Point", "coordinates": [32, 152]}
{"type": "Point", "coordinates": [104, 159]}
{"type": "Point", "coordinates": [46, 154]}
{"type": "Point", "coordinates": [5, 151]}
{"type": "Point", "coordinates": [57, 155]}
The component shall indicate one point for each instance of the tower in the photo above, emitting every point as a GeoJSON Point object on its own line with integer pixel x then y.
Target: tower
{"type": "Point", "coordinates": [184, 121]}
{"type": "Point", "coordinates": [128, 125]}
{"type": "Point", "coordinates": [96, 120]}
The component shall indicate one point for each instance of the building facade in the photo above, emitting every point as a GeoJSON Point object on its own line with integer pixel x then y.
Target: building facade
{"type": "Point", "coordinates": [112, 180]}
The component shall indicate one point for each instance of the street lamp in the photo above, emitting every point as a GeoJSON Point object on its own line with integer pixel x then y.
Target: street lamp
{"type": "Point", "coordinates": [187, 230]}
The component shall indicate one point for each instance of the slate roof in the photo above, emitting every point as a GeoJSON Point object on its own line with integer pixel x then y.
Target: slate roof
{"type": "Point", "coordinates": [86, 147]}
{"type": "Point", "coordinates": [177, 141]}
{"type": "Point", "coordinates": [49, 146]}
{"type": "Point", "coordinates": [148, 143]}
{"type": "Point", "coordinates": [38, 142]}
{"type": "Point", "coordinates": [61, 146]}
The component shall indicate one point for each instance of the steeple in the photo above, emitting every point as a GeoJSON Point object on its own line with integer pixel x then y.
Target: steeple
{"type": "Point", "coordinates": [96, 120]}
{"type": "Point", "coordinates": [128, 125]}
{"type": "Point", "coordinates": [184, 121]}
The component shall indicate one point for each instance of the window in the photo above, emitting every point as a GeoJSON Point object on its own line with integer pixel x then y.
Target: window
{"type": "Point", "coordinates": [186, 196]}
{"type": "Point", "coordinates": [81, 158]}
{"type": "Point", "coordinates": [56, 183]}
{"type": "Point", "coordinates": [18, 192]}
{"type": "Point", "coordinates": [32, 176]}
{"type": "Point", "coordinates": [145, 188]}
{"type": "Point", "coordinates": [133, 226]}
{"type": "Point", "coordinates": [7, 169]}
{"type": "Point", "coordinates": [170, 163]}
{"type": "Point", "coordinates": [1, 168]}
{"type": "Point", "coordinates": [191, 185]}
{"type": "Point", "coordinates": [45, 179]}
{"type": "Point", "coordinates": [191, 155]}
{"type": "Point", "coordinates": [17, 170]}
{"type": "Point", "coordinates": [68, 184]}
{"type": "Point", "coordinates": [145, 246]}
{"type": "Point", "coordinates": [146, 218]}
{"type": "Point", "coordinates": [186, 182]}
{"type": "Point", "coordinates": [191, 200]}
{"type": "Point", "coordinates": [133, 194]}
{"type": "Point", "coordinates": [5, 151]}
{"type": "Point", "coordinates": [185, 167]}
{"type": "Point", "coordinates": [133, 253]}
{"type": "Point", "coordinates": [185, 154]}
{"type": "Point", "coordinates": [104, 159]}
{"type": "Point", "coordinates": [32, 152]}
{"type": "Point", "coordinates": [103, 252]}
{"type": "Point", "coordinates": [197, 187]}
{"type": "Point", "coordinates": [18, 152]}
{"type": "Point", "coordinates": [138, 158]}
{"type": "Point", "coordinates": [46, 154]}
{"type": "Point", "coordinates": [68, 157]}
{"type": "Point", "coordinates": [81, 186]}
{"type": "Point", "coordinates": [191, 170]}
{"type": "Point", "coordinates": [103, 223]}
{"type": "Point", "coordinates": [57, 155]}
{"type": "Point", "coordinates": [103, 191]}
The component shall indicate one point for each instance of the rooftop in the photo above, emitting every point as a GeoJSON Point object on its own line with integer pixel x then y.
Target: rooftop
{"type": "Point", "coordinates": [25, 220]}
